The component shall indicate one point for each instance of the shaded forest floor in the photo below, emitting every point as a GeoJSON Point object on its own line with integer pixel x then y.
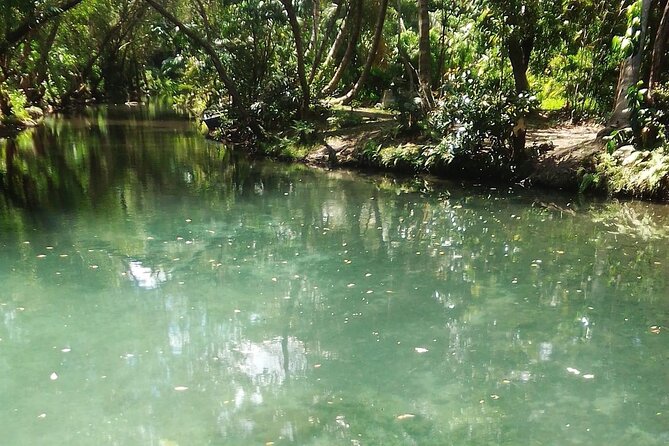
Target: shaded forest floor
{"type": "Point", "coordinates": [567, 151]}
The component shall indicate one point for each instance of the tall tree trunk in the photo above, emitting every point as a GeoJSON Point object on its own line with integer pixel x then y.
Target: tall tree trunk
{"type": "Point", "coordinates": [659, 48]}
{"type": "Point", "coordinates": [629, 76]}
{"type": "Point", "coordinates": [237, 102]}
{"type": "Point", "coordinates": [301, 72]}
{"type": "Point", "coordinates": [318, 55]}
{"type": "Point", "coordinates": [316, 17]}
{"type": "Point", "coordinates": [424, 55]}
{"type": "Point", "coordinates": [356, 17]}
{"type": "Point", "coordinates": [442, 48]}
{"type": "Point", "coordinates": [376, 41]}
{"type": "Point", "coordinates": [404, 56]}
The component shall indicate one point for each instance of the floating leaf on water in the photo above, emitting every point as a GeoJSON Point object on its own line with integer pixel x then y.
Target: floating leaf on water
{"type": "Point", "coordinates": [54, 376]}
{"type": "Point", "coordinates": [573, 371]}
{"type": "Point", "coordinates": [41, 256]}
{"type": "Point", "coordinates": [62, 256]}
{"type": "Point", "coordinates": [188, 220]}
{"type": "Point", "coordinates": [66, 350]}
{"type": "Point", "coordinates": [180, 388]}
{"type": "Point", "coordinates": [421, 350]}
{"type": "Point", "coordinates": [588, 376]}
{"type": "Point", "coordinates": [317, 366]}
{"type": "Point", "coordinates": [94, 266]}
{"type": "Point", "coordinates": [351, 285]}
{"type": "Point", "coordinates": [274, 279]}
{"type": "Point", "coordinates": [370, 291]}
{"type": "Point", "coordinates": [495, 397]}
{"type": "Point", "coordinates": [49, 247]}
{"type": "Point", "coordinates": [42, 415]}
{"type": "Point", "coordinates": [655, 329]}
{"type": "Point", "coordinates": [406, 416]}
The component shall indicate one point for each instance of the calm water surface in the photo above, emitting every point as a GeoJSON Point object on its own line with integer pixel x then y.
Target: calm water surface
{"type": "Point", "coordinates": [156, 291]}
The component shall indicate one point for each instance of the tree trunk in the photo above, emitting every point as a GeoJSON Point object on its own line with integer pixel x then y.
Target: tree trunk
{"type": "Point", "coordinates": [659, 48]}
{"type": "Point", "coordinates": [341, 35]}
{"type": "Point", "coordinates": [629, 76]}
{"type": "Point", "coordinates": [301, 72]}
{"type": "Point", "coordinates": [316, 23]}
{"type": "Point", "coordinates": [424, 55]}
{"type": "Point", "coordinates": [318, 55]}
{"type": "Point", "coordinates": [519, 55]}
{"type": "Point", "coordinates": [442, 48]}
{"type": "Point", "coordinates": [406, 61]}
{"type": "Point", "coordinates": [237, 103]}
{"type": "Point", "coordinates": [376, 41]}
{"type": "Point", "coordinates": [356, 16]}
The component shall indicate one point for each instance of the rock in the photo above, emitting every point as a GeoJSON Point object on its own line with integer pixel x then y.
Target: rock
{"type": "Point", "coordinates": [35, 113]}
{"type": "Point", "coordinates": [631, 158]}
{"type": "Point", "coordinates": [623, 152]}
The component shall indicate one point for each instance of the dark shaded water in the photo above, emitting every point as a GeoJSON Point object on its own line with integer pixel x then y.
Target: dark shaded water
{"type": "Point", "coordinates": [155, 291]}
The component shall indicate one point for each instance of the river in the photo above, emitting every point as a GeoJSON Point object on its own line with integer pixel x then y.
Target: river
{"type": "Point", "coordinates": [157, 289]}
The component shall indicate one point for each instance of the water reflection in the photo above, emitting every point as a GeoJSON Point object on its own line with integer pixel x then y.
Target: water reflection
{"type": "Point", "coordinates": [205, 299]}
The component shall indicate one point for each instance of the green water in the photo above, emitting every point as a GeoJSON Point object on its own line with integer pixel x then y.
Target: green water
{"type": "Point", "coordinates": [156, 291]}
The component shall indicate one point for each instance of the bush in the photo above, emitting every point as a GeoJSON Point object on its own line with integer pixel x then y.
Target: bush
{"type": "Point", "coordinates": [470, 119]}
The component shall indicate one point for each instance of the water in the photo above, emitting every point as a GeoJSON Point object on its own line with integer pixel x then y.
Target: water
{"type": "Point", "coordinates": [158, 291]}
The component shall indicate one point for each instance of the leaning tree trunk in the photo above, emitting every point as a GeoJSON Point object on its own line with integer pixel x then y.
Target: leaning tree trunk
{"type": "Point", "coordinates": [376, 41]}
{"type": "Point", "coordinates": [629, 76]}
{"type": "Point", "coordinates": [301, 72]}
{"type": "Point", "coordinates": [237, 102]}
{"type": "Point", "coordinates": [356, 17]}
{"type": "Point", "coordinates": [659, 48]}
{"type": "Point", "coordinates": [424, 55]}
{"type": "Point", "coordinates": [341, 34]}
{"type": "Point", "coordinates": [318, 54]}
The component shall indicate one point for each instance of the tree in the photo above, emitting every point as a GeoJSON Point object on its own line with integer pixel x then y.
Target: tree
{"type": "Point", "coordinates": [630, 70]}
{"type": "Point", "coordinates": [355, 16]}
{"type": "Point", "coordinates": [299, 50]}
{"type": "Point", "coordinates": [371, 56]}
{"type": "Point", "coordinates": [238, 104]}
{"type": "Point", "coordinates": [659, 50]}
{"type": "Point", "coordinates": [425, 55]}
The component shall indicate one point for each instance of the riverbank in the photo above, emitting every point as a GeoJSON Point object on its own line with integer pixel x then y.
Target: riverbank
{"type": "Point", "coordinates": [561, 157]}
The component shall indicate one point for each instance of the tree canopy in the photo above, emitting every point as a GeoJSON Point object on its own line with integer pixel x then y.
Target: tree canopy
{"type": "Point", "coordinates": [265, 64]}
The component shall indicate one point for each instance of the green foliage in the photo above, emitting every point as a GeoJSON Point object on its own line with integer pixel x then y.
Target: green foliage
{"type": "Point", "coordinates": [18, 102]}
